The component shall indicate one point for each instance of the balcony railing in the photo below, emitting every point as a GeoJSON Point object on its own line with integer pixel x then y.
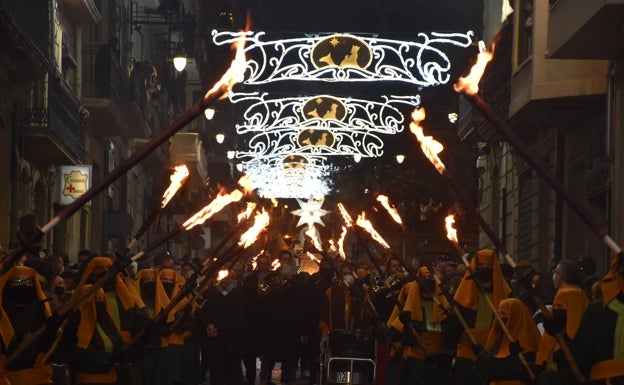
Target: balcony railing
{"type": "Point", "coordinates": [61, 117]}
{"type": "Point", "coordinates": [32, 19]}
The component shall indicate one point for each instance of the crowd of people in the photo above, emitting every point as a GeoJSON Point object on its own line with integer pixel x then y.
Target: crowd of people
{"type": "Point", "coordinates": [428, 321]}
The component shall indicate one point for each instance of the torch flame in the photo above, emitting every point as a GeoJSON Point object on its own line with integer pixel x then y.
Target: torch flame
{"type": "Point", "coordinates": [245, 214]}
{"type": "Point", "coordinates": [178, 178]}
{"type": "Point", "coordinates": [470, 84]}
{"type": "Point", "coordinates": [212, 208]}
{"type": "Point", "coordinates": [341, 242]}
{"type": "Point", "coordinates": [274, 202]}
{"type": "Point", "coordinates": [430, 147]}
{"type": "Point", "coordinates": [345, 215]}
{"type": "Point", "coordinates": [261, 221]}
{"type": "Point", "coordinates": [236, 72]}
{"type": "Point", "coordinates": [275, 265]}
{"type": "Point", "coordinates": [368, 226]}
{"type": "Point", "coordinates": [222, 274]}
{"type": "Point", "coordinates": [312, 257]}
{"type": "Point", "coordinates": [394, 213]}
{"type": "Point", "coordinates": [314, 237]}
{"type": "Point", "coordinates": [451, 232]}
{"type": "Point", "coordinates": [245, 183]}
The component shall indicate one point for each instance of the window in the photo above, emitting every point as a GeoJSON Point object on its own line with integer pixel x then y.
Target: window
{"type": "Point", "coordinates": [524, 30]}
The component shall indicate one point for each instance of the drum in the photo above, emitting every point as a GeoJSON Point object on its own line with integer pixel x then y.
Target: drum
{"type": "Point", "coordinates": [351, 343]}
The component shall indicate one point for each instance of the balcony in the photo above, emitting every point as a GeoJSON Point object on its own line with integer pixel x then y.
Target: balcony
{"type": "Point", "coordinates": [28, 23]}
{"type": "Point", "coordinates": [53, 132]}
{"type": "Point", "coordinates": [109, 97]}
{"type": "Point", "coordinates": [81, 11]}
{"type": "Point", "coordinates": [581, 29]}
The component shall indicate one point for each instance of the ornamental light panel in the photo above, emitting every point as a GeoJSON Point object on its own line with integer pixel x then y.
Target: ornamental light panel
{"type": "Point", "coordinates": [346, 57]}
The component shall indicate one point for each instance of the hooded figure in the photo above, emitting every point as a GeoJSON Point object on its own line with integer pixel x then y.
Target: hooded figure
{"type": "Point", "coordinates": [502, 365]}
{"type": "Point", "coordinates": [476, 311]}
{"type": "Point", "coordinates": [598, 346]}
{"type": "Point", "coordinates": [24, 309]}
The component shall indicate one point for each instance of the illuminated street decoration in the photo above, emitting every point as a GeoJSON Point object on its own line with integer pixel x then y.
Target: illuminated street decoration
{"type": "Point", "coordinates": [266, 114]}
{"type": "Point", "coordinates": [310, 212]}
{"type": "Point", "coordinates": [289, 176]}
{"type": "Point", "coordinates": [346, 57]}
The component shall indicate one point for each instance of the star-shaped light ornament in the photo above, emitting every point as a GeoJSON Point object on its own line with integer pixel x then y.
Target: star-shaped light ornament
{"type": "Point", "coordinates": [310, 212]}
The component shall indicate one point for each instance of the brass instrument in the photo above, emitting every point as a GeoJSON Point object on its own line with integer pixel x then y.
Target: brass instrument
{"type": "Point", "coordinates": [271, 281]}
{"type": "Point", "coordinates": [383, 287]}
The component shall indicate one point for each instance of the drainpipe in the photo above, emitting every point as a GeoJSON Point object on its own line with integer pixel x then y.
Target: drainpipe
{"type": "Point", "coordinates": [609, 110]}
{"type": "Point", "coordinates": [78, 53]}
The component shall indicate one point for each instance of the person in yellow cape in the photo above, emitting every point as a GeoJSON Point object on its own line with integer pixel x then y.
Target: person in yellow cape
{"type": "Point", "coordinates": [598, 345]}
{"type": "Point", "coordinates": [155, 365]}
{"type": "Point", "coordinates": [92, 343]}
{"type": "Point", "coordinates": [569, 303]}
{"type": "Point", "coordinates": [477, 313]}
{"type": "Point", "coordinates": [421, 322]}
{"type": "Point", "coordinates": [182, 348]}
{"type": "Point", "coordinates": [24, 309]}
{"type": "Point", "coordinates": [499, 360]}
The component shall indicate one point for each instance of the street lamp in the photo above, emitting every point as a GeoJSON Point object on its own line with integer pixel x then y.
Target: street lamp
{"type": "Point", "coordinates": [220, 138]}
{"type": "Point", "coordinates": [400, 158]}
{"type": "Point", "coordinates": [209, 113]}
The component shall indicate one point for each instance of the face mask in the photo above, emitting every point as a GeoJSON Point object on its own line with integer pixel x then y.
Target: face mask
{"type": "Point", "coordinates": [23, 295]}
{"type": "Point", "coordinates": [484, 274]}
{"type": "Point", "coordinates": [96, 277]}
{"type": "Point", "coordinates": [147, 289]}
{"type": "Point", "coordinates": [554, 280]}
{"type": "Point", "coordinates": [168, 287]}
{"type": "Point", "coordinates": [348, 279]}
{"type": "Point", "coordinates": [59, 291]}
{"type": "Point", "coordinates": [100, 307]}
{"type": "Point", "coordinates": [427, 286]}
{"type": "Point", "coordinates": [109, 285]}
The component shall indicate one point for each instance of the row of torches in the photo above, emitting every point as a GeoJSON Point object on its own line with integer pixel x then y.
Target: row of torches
{"type": "Point", "coordinates": [467, 86]}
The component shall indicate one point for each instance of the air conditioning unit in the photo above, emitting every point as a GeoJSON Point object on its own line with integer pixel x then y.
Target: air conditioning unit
{"type": "Point", "coordinates": [186, 147]}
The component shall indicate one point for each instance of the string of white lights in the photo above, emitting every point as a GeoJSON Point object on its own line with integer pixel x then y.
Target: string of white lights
{"type": "Point", "coordinates": [347, 57]}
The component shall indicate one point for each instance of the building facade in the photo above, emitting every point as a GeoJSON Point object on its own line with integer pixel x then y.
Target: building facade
{"type": "Point", "coordinates": [559, 91]}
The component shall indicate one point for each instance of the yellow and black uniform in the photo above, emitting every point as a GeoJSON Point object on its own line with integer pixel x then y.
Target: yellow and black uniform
{"type": "Point", "coordinates": [598, 346]}
{"type": "Point", "coordinates": [92, 343]}
{"type": "Point", "coordinates": [23, 310]}
{"type": "Point", "coordinates": [573, 301]}
{"type": "Point", "coordinates": [502, 365]}
{"type": "Point", "coordinates": [476, 311]}
{"type": "Point", "coordinates": [427, 357]}
{"type": "Point", "coordinates": [155, 365]}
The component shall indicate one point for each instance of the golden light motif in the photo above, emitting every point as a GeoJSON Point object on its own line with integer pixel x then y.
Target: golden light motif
{"type": "Point", "coordinates": [470, 84]}
{"type": "Point", "coordinates": [430, 147]}
{"type": "Point", "coordinates": [212, 208]}
{"type": "Point", "coordinates": [394, 213]}
{"type": "Point", "coordinates": [261, 221]}
{"type": "Point", "coordinates": [368, 226]}
{"type": "Point", "coordinates": [178, 178]}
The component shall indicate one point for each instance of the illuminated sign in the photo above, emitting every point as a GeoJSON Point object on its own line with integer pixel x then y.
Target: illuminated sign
{"type": "Point", "coordinates": [346, 57]}
{"type": "Point", "coordinates": [75, 181]}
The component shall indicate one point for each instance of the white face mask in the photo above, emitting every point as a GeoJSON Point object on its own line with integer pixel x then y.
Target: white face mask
{"type": "Point", "coordinates": [348, 279]}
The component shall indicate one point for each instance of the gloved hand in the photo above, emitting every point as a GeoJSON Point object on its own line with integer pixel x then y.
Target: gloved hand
{"type": "Point", "coordinates": [394, 334]}
{"type": "Point", "coordinates": [405, 316]}
{"type": "Point", "coordinates": [515, 348]}
{"type": "Point", "coordinates": [557, 323]}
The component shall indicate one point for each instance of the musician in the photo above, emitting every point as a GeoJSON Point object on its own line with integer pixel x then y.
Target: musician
{"type": "Point", "coordinates": [339, 308]}
{"type": "Point", "coordinates": [284, 323]}
{"type": "Point", "coordinates": [23, 310]}
{"type": "Point", "coordinates": [254, 327]}
{"type": "Point", "coordinates": [220, 322]}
